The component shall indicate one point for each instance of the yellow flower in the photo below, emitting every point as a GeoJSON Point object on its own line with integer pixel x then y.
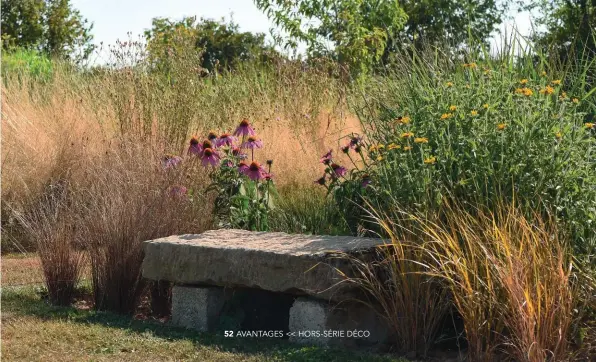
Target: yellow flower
{"type": "Point", "coordinates": [393, 146]}
{"type": "Point", "coordinates": [430, 160]}
{"type": "Point", "coordinates": [519, 90]}
{"type": "Point", "coordinates": [402, 120]}
{"type": "Point", "coordinates": [543, 74]}
{"type": "Point", "coordinates": [375, 148]}
{"type": "Point", "coordinates": [380, 158]}
{"type": "Point", "coordinates": [485, 106]}
{"type": "Point", "coordinates": [563, 96]}
{"type": "Point", "coordinates": [470, 65]}
{"type": "Point", "coordinates": [527, 92]}
{"type": "Point", "coordinates": [523, 81]}
{"type": "Point", "coordinates": [589, 125]}
{"type": "Point", "coordinates": [421, 140]}
{"type": "Point", "coordinates": [407, 148]}
{"type": "Point", "coordinates": [556, 82]}
{"type": "Point", "coordinates": [558, 135]}
{"type": "Point", "coordinates": [446, 115]}
{"type": "Point", "coordinates": [501, 126]}
{"type": "Point", "coordinates": [575, 100]}
{"type": "Point", "coordinates": [474, 112]}
{"type": "Point", "coordinates": [449, 84]}
{"type": "Point", "coordinates": [407, 134]}
{"type": "Point", "coordinates": [452, 108]}
{"type": "Point", "coordinates": [547, 90]}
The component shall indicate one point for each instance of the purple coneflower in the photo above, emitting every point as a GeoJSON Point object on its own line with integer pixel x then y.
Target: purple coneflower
{"type": "Point", "coordinates": [321, 181]}
{"type": "Point", "coordinates": [212, 136]}
{"type": "Point", "coordinates": [366, 181]}
{"type": "Point", "coordinates": [194, 148]}
{"type": "Point", "coordinates": [244, 129]}
{"type": "Point", "coordinates": [171, 161]}
{"type": "Point", "coordinates": [210, 157]}
{"type": "Point", "coordinates": [326, 159]}
{"type": "Point", "coordinates": [338, 171]}
{"type": "Point", "coordinates": [252, 142]}
{"type": "Point", "coordinates": [255, 171]}
{"type": "Point", "coordinates": [238, 153]}
{"type": "Point", "coordinates": [225, 140]}
{"type": "Point", "coordinates": [268, 176]}
{"type": "Point", "coordinates": [178, 191]}
{"type": "Point", "coordinates": [242, 167]}
{"type": "Point", "coordinates": [355, 140]}
{"type": "Point", "coordinates": [346, 148]}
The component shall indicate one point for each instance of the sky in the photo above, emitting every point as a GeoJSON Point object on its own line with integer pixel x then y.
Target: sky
{"type": "Point", "coordinates": [113, 19]}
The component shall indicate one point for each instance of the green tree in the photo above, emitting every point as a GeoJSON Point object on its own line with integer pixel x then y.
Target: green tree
{"type": "Point", "coordinates": [220, 44]}
{"type": "Point", "coordinates": [569, 27]}
{"type": "Point", "coordinates": [354, 32]}
{"type": "Point", "coordinates": [53, 27]}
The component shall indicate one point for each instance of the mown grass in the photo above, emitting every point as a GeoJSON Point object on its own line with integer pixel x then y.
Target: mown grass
{"type": "Point", "coordinates": [32, 329]}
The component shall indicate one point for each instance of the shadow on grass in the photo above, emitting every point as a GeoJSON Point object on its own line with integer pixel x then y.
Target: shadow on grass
{"type": "Point", "coordinates": [26, 301]}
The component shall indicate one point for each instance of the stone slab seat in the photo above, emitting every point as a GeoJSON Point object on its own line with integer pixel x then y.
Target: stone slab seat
{"type": "Point", "coordinates": [272, 261]}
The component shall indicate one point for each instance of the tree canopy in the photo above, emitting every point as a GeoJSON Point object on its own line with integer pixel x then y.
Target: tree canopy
{"type": "Point", "coordinates": [53, 27]}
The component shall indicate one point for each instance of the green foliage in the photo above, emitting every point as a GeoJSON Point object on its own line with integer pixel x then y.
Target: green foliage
{"type": "Point", "coordinates": [569, 26]}
{"type": "Point", "coordinates": [53, 27]}
{"type": "Point", "coordinates": [27, 62]}
{"type": "Point", "coordinates": [354, 32]}
{"type": "Point", "coordinates": [481, 133]}
{"type": "Point", "coordinates": [218, 44]}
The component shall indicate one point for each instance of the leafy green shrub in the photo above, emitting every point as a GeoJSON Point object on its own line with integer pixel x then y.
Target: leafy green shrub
{"type": "Point", "coordinates": [482, 132]}
{"type": "Point", "coordinates": [26, 62]}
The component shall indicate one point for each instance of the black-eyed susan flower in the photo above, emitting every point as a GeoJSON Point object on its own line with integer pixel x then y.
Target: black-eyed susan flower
{"type": "Point", "coordinates": [527, 91]}
{"type": "Point", "coordinates": [558, 135]}
{"type": "Point", "coordinates": [543, 74]}
{"type": "Point", "coordinates": [407, 148]}
{"type": "Point", "coordinates": [470, 65]}
{"type": "Point", "coordinates": [430, 160]}
{"type": "Point", "coordinates": [446, 116]}
{"type": "Point", "coordinates": [589, 125]}
{"type": "Point", "coordinates": [523, 81]}
{"type": "Point", "coordinates": [501, 126]}
{"type": "Point", "coordinates": [407, 134]}
{"type": "Point", "coordinates": [563, 96]}
{"type": "Point", "coordinates": [548, 90]}
{"type": "Point", "coordinates": [402, 120]}
{"type": "Point", "coordinates": [393, 146]}
{"type": "Point", "coordinates": [449, 84]}
{"type": "Point", "coordinates": [379, 158]}
{"type": "Point", "coordinates": [485, 106]}
{"type": "Point", "coordinates": [452, 108]}
{"type": "Point", "coordinates": [556, 82]}
{"type": "Point", "coordinates": [474, 113]}
{"type": "Point", "coordinates": [376, 148]}
{"type": "Point", "coordinates": [575, 100]}
{"type": "Point", "coordinates": [420, 140]}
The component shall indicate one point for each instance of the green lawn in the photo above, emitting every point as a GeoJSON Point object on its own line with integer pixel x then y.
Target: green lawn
{"type": "Point", "coordinates": [33, 330]}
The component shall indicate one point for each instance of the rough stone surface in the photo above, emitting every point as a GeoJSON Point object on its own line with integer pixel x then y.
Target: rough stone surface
{"type": "Point", "coordinates": [278, 262]}
{"type": "Point", "coordinates": [345, 324]}
{"type": "Point", "coordinates": [197, 308]}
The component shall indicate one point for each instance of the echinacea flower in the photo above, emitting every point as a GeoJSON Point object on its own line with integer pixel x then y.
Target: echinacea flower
{"type": "Point", "coordinates": [242, 167]}
{"type": "Point", "coordinates": [194, 148]}
{"type": "Point", "coordinates": [346, 148]}
{"type": "Point", "coordinates": [365, 181]}
{"type": "Point", "coordinates": [212, 136]}
{"type": "Point", "coordinates": [252, 142]}
{"type": "Point", "coordinates": [321, 180]}
{"type": "Point", "coordinates": [225, 140]}
{"type": "Point", "coordinates": [171, 161]}
{"type": "Point", "coordinates": [209, 157]}
{"type": "Point", "coordinates": [244, 129]}
{"type": "Point", "coordinates": [326, 159]}
{"type": "Point", "coordinates": [255, 171]}
{"type": "Point", "coordinates": [355, 140]}
{"type": "Point", "coordinates": [178, 191]}
{"type": "Point", "coordinates": [237, 152]}
{"type": "Point", "coordinates": [338, 171]}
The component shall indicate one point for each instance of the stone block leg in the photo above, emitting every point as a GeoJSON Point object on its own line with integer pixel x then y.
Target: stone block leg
{"type": "Point", "coordinates": [197, 307]}
{"type": "Point", "coordinates": [316, 322]}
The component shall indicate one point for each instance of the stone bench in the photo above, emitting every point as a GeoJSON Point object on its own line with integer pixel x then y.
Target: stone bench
{"type": "Point", "coordinates": [278, 270]}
